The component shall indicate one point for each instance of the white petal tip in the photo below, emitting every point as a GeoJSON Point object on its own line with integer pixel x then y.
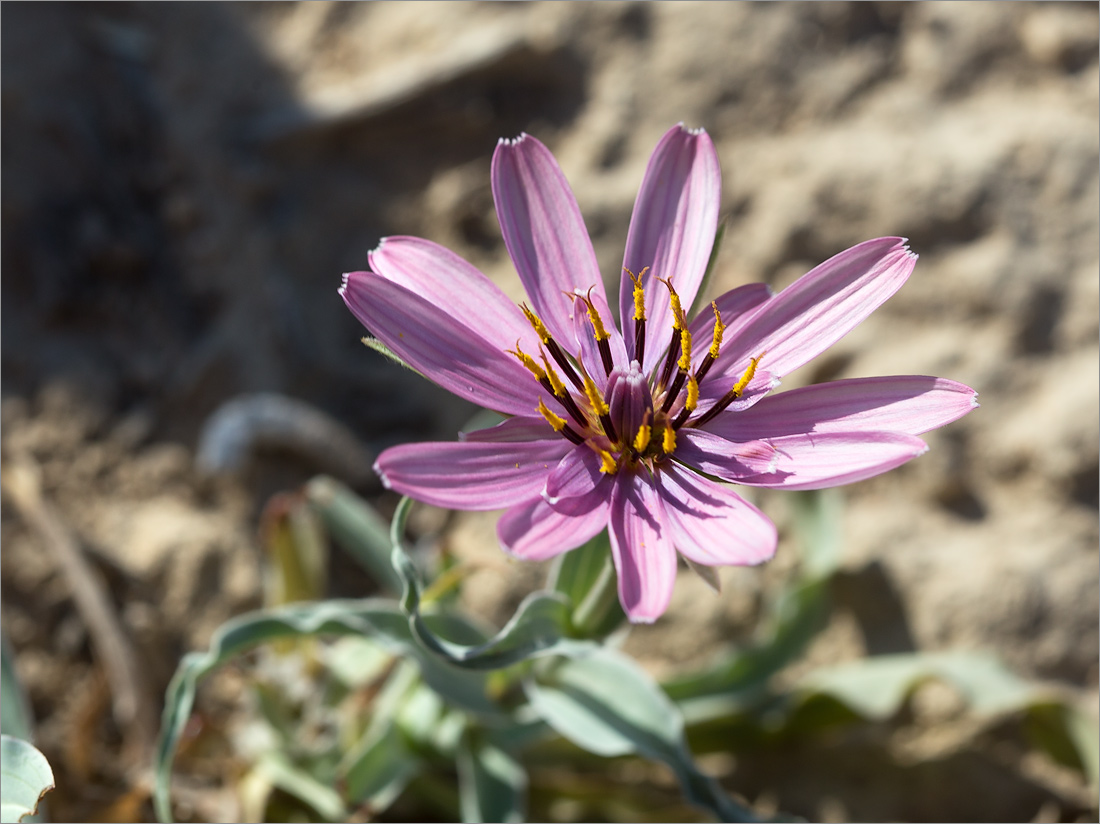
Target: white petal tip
{"type": "Point", "coordinates": [641, 619]}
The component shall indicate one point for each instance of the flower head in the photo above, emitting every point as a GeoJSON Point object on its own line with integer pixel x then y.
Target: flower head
{"type": "Point", "coordinates": [627, 429]}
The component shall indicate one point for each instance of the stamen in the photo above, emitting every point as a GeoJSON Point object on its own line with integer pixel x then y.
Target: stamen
{"type": "Point", "coordinates": [677, 325]}
{"type": "Point", "coordinates": [539, 326]}
{"type": "Point", "coordinates": [600, 407]}
{"type": "Point", "coordinates": [559, 424]}
{"type": "Point", "coordinates": [685, 350]}
{"type": "Point", "coordinates": [715, 345]}
{"type": "Point", "coordinates": [556, 386]}
{"type": "Point", "coordinates": [610, 465]}
{"type": "Point", "coordinates": [639, 314]}
{"type": "Point", "coordinates": [529, 362]}
{"type": "Point", "coordinates": [556, 423]}
{"type": "Point", "coordinates": [690, 402]}
{"type": "Point", "coordinates": [599, 332]}
{"type": "Point", "coordinates": [719, 329]}
{"type": "Point", "coordinates": [736, 392]}
{"type": "Point", "coordinates": [552, 346]}
{"type": "Point", "coordinates": [668, 444]}
{"type": "Point", "coordinates": [641, 440]}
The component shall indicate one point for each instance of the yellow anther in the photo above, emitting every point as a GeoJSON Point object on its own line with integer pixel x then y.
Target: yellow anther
{"type": "Point", "coordinates": [685, 349]}
{"type": "Point", "coordinates": [610, 466]}
{"type": "Point", "coordinates": [594, 317]}
{"type": "Point", "coordinates": [539, 326]}
{"type": "Point", "coordinates": [677, 309]}
{"type": "Point", "coordinates": [692, 399]}
{"type": "Point", "coordinates": [552, 376]}
{"type": "Point", "coordinates": [641, 440]}
{"type": "Point", "coordinates": [599, 405]}
{"type": "Point", "coordinates": [739, 387]}
{"type": "Point", "coordinates": [719, 328]}
{"type": "Point", "coordinates": [528, 361]}
{"type": "Point", "coordinates": [639, 293]}
{"type": "Point", "coordinates": [668, 444]}
{"type": "Point", "coordinates": [557, 423]}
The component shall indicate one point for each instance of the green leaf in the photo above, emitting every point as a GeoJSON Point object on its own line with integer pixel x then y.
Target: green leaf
{"type": "Point", "coordinates": [540, 626]}
{"type": "Point", "coordinates": [492, 785]}
{"type": "Point", "coordinates": [378, 771]}
{"type": "Point", "coordinates": [26, 778]}
{"type": "Point", "coordinates": [606, 704]}
{"type": "Point", "coordinates": [15, 712]}
{"type": "Point", "coordinates": [357, 527]}
{"type": "Point", "coordinates": [876, 687]}
{"type": "Point", "coordinates": [382, 620]}
{"type": "Point", "coordinates": [292, 779]}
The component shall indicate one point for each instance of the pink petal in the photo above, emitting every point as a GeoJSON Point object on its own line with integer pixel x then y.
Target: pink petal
{"type": "Point", "coordinates": [641, 547]}
{"type": "Point", "coordinates": [713, 525]}
{"type": "Point", "coordinates": [511, 430]}
{"type": "Point", "coordinates": [820, 460]}
{"type": "Point", "coordinates": [450, 283]}
{"type": "Point", "coordinates": [726, 459]}
{"type": "Point", "coordinates": [715, 387]}
{"type": "Point", "coordinates": [576, 477]}
{"type": "Point", "coordinates": [819, 308]}
{"type": "Point", "coordinates": [470, 475]}
{"type": "Point", "coordinates": [543, 231]}
{"type": "Point", "coordinates": [736, 307]}
{"type": "Point", "coordinates": [585, 337]}
{"type": "Point", "coordinates": [672, 229]}
{"type": "Point", "coordinates": [905, 403]}
{"type": "Point", "coordinates": [441, 348]}
{"type": "Point", "coordinates": [534, 531]}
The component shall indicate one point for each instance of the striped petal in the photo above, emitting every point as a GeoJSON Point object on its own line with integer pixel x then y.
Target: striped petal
{"type": "Point", "coordinates": [736, 307]}
{"type": "Point", "coordinates": [904, 403]}
{"type": "Point", "coordinates": [819, 308]}
{"type": "Point", "coordinates": [576, 477]}
{"type": "Point", "coordinates": [470, 475]}
{"type": "Point", "coordinates": [543, 231]}
{"type": "Point", "coordinates": [443, 349]}
{"type": "Point", "coordinates": [712, 525]}
{"type": "Point", "coordinates": [820, 460]}
{"type": "Point", "coordinates": [455, 286]}
{"type": "Point", "coordinates": [672, 228]}
{"type": "Point", "coordinates": [726, 459]}
{"type": "Point", "coordinates": [535, 531]}
{"type": "Point", "coordinates": [641, 547]}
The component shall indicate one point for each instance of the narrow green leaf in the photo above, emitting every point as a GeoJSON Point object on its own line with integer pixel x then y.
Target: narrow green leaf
{"type": "Point", "coordinates": [492, 785]}
{"type": "Point", "coordinates": [292, 779]}
{"type": "Point", "coordinates": [605, 703]}
{"type": "Point", "coordinates": [357, 527]}
{"type": "Point", "coordinates": [382, 620]}
{"type": "Point", "coordinates": [26, 777]}
{"type": "Point", "coordinates": [379, 770]}
{"type": "Point", "coordinates": [540, 626]}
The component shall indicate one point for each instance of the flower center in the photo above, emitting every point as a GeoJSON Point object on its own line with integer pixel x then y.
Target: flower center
{"type": "Point", "coordinates": [634, 420]}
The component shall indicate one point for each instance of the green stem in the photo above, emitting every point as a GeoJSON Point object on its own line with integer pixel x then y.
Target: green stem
{"type": "Point", "coordinates": [597, 603]}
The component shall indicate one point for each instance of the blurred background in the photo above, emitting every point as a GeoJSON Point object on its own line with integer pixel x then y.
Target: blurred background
{"type": "Point", "coordinates": [183, 185]}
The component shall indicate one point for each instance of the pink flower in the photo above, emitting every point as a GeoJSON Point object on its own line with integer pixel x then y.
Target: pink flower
{"type": "Point", "coordinates": [629, 430]}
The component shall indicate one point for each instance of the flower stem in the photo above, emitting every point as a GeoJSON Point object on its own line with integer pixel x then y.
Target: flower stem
{"type": "Point", "coordinates": [595, 608]}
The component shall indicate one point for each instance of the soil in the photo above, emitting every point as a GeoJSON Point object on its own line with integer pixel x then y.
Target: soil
{"type": "Point", "coordinates": [185, 183]}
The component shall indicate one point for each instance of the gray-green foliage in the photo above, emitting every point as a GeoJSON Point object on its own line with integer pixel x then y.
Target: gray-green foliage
{"type": "Point", "coordinates": [25, 776]}
{"type": "Point", "coordinates": [444, 691]}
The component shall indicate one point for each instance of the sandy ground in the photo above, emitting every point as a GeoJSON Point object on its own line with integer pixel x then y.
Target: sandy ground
{"type": "Point", "coordinates": [185, 183]}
